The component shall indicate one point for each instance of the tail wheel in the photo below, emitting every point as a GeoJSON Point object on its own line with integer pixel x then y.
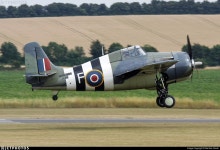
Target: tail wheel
{"type": "Point", "coordinates": [169, 101]}
{"type": "Point", "coordinates": [54, 97]}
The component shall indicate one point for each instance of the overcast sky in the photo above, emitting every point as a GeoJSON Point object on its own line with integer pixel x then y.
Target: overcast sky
{"type": "Point", "coordinates": [77, 2]}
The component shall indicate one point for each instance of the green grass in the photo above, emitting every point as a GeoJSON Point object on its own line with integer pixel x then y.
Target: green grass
{"type": "Point", "coordinates": [204, 87]}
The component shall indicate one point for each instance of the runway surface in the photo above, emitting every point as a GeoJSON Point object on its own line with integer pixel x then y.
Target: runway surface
{"type": "Point", "coordinates": [108, 120]}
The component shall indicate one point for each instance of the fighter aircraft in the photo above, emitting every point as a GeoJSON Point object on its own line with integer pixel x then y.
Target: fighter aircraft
{"type": "Point", "coordinates": [126, 69]}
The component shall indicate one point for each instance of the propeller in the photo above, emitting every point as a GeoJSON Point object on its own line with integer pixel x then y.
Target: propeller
{"type": "Point", "coordinates": [193, 63]}
{"type": "Point", "coordinates": [189, 47]}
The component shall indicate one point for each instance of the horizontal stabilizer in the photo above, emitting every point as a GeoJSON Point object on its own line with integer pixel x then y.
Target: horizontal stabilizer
{"type": "Point", "coordinates": [41, 75]}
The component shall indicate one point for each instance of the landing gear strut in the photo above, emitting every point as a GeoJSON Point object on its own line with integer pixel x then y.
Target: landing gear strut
{"type": "Point", "coordinates": [163, 99]}
{"type": "Point", "coordinates": [55, 95]}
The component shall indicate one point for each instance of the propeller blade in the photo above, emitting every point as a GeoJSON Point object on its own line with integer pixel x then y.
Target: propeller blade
{"type": "Point", "coordinates": [190, 55]}
{"type": "Point", "coordinates": [193, 63]}
{"type": "Point", "coordinates": [189, 47]}
{"type": "Point", "coordinates": [191, 77]}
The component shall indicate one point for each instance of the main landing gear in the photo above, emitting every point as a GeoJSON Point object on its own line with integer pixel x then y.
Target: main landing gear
{"type": "Point", "coordinates": [163, 99]}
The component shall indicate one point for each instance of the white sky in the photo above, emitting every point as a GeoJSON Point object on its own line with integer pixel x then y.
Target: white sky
{"type": "Point", "coordinates": [108, 3]}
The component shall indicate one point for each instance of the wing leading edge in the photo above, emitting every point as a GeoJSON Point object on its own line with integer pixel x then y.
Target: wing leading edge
{"type": "Point", "coordinates": [160, 66]}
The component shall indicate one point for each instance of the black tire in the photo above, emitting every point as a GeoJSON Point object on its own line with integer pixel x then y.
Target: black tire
{"type": "Point", "coordinates": [55, 97]}
{"type": "Point", "coordinates": [169, 101]}
{"type": "Point", "coordinates": [160, 102]}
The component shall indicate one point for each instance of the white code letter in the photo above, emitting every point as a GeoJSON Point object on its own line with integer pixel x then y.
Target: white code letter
{"type": "Point", "coordinates": [80, 76]}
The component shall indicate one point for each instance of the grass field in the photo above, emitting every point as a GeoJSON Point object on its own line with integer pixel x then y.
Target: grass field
{"type": "Point", "coordinates": [201, 92]}
{"type": "Point", "coordinates": [164, 32]}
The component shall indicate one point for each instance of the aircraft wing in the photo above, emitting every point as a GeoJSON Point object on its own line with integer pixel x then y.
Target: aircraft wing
{"type": "Point", "coordinates": [147, 68]}
{"type": "Point", "coordinates": [158, 66]}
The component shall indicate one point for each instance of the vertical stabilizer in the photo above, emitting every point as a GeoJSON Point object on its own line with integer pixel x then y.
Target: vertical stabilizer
{"type": "Point", "coordinates": [37, 63]}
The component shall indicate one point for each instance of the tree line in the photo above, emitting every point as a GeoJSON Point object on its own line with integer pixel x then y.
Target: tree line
{"type": "Point", "coordinates": [118, 8]}
{"type": "Point", "coordinates": [60, 55]}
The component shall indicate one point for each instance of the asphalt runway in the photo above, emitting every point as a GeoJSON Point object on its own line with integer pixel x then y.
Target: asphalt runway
{"type": "Point", "coordinates": [107, 120]}
{"type": "Point", "coordinates": [110, 127]}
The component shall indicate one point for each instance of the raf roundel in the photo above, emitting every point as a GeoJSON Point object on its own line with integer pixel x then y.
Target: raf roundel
{"type": "Point", "coordinates": [94, 78]}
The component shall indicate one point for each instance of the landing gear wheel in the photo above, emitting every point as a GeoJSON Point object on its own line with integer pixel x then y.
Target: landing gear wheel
{"type": "Point", "coordinates": [160, 102]}
{"type": "Point", "coordinates": [163, 99]}
{"type": "Point", "coordinates": [169, 101]}
{"type": "Point", "coordinates": [54, 97]}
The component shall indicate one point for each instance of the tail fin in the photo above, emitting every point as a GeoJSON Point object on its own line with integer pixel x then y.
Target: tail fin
{"type": "Point", "coordinates": [37, 63]}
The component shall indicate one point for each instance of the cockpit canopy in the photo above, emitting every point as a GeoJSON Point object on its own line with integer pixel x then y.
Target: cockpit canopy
{"type": "Point", "coordinates": [126, 53]}
{"type": "Point", "coordinates": [133, 51]}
